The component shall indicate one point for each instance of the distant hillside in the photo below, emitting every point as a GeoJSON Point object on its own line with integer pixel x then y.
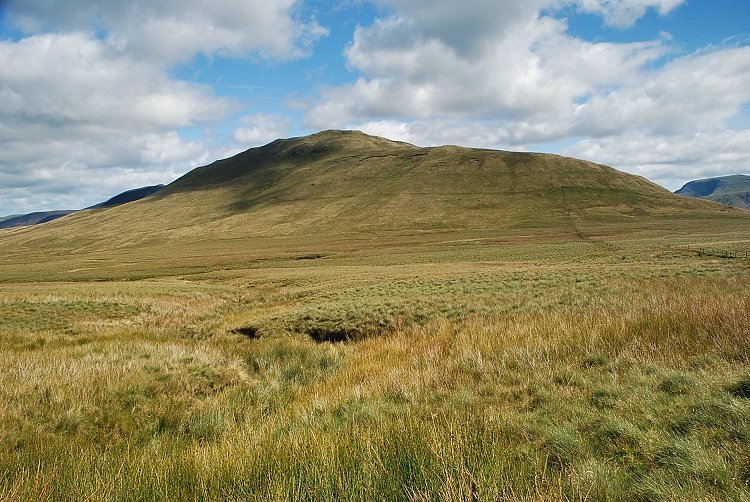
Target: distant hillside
{"type": "Point", "coordinates": [39, 217]}
{"type": "Point", "coordinates": [319, 191]}
{"type": "Point", "coordinates": [130, 196]}
{"type": "Point", "coordinates": [35, 218]}
{"type": "Point", "coordinates": [730, 190]}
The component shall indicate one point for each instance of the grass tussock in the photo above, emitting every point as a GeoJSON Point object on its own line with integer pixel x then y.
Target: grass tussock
{"type": "Point", "coordinates": [630, 397]}
{"type": "Point", "coordinates": [331, 320]}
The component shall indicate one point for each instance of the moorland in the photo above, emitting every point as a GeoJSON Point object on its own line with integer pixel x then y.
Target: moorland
{"type": "Point", "coordinates": [343, 317]}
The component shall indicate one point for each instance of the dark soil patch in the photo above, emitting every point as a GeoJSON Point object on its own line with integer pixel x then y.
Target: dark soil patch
{"type": "Point", "coordinates": [248, 331]}
{"type": "Point", "coordinates": [309, 257]}
{"type": "Point", "coordinates": [741, 388]}
{"type": "Point", "coordinates": [334, 335]}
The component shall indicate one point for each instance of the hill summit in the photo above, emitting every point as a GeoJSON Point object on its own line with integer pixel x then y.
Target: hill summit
{"type": "Point", "coordinates": [339, 185]}
{"type": "Point", "coordinates": [343, 181]}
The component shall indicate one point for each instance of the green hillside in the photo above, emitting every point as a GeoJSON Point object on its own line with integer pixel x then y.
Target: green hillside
{"type": "Point", "coordinates": [338, 181]}
{"type": "Point", "coordinates": [342, 187]}
{"type": "Point", "coordinates": [343, 317]}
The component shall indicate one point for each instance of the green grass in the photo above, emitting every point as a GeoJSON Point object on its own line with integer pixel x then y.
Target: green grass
{"type": "Point", "coordinates": [576, 347]}
{"type": "Point", "coordinates": [581, 379]}
{"type": "Point", "coordinates": [338, 193]}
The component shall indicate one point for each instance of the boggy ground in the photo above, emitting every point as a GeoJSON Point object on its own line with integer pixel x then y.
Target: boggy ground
{"type": "Point", "coordinates": [470, 369]}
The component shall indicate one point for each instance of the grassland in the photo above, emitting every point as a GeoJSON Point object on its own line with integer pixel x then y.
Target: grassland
{"type": "Point", "coordinates": [598, 355]}
{"type": "Point", "coordinates": [527, 370]}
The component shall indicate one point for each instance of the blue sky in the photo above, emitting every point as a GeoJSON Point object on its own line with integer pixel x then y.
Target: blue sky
{"type": "Point", "coordinates": [97, 97]}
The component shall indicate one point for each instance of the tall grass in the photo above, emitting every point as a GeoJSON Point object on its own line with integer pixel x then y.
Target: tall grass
{"type": "Point", "coordinates": [621, 397]}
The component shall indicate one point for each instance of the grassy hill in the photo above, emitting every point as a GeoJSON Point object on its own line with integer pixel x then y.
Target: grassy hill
{"type": "Point", "coordinates": [343, 317]}
{"type": "Point", "coordinates": [346, 188]}
{"type": "Point", "coordinates": [730, 190]}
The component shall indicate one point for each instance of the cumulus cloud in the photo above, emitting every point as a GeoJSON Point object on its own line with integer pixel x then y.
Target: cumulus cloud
{"type": "Point", "coordinates": [72, 79]}
{"type": "Point", "coordinates": [532, 70]}
{"type": "Point", "coordinates": [70, 100]}
{"type": "Point", "coordinates": [175, 30]}
{"type": "Point", "coordinates": [89, 106]}
{"type": "Point", "coordinates": [260, 129]}
{"type": "Point", "coordinates": [530, 82]}
{"type": "Point", "coordinates": [623, 14]}
{"type": "Point", "coordinates": [697, 92]}
{"type": "Point", "coordinates": [464, 27]}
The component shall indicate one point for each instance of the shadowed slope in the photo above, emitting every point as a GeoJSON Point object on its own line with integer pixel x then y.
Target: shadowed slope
{"type": "Point", "coordinates": [33, 218]}
{"type": "Point", "coordinates": [129, 196]}
{"type": "Point", "coordinates": [313, 192]}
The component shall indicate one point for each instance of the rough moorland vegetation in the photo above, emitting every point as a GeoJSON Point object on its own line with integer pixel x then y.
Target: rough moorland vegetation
{"type": "Point", "coordinates": [586, 344]}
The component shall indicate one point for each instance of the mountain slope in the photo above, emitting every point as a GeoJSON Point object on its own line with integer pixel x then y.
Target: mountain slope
{"type": "Point", "coordinates": [345, 181]}
{"type": "Point", "coordinates": [129, 196]}
{"type": "Point", "coordinates": [341, 189]}
{"type": "Point", "coordinates": [730, 190]}
{"type": "Point", "coordinates": [37, 218]}
{"type": "Point", "coordinates": [34, 218]}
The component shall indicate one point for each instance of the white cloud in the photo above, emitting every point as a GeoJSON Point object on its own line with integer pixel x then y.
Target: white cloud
{"type": "Point", "coordinates": [87, 95]}
{"type": "Point", "coordinates": [463, 27]}
{"type": "Point", "coordinates": [530, 82]}
{"type": "Point", "coordinates": [624, 13]}
{"type": "Point", "coordinates": [176, 30]}
{"type": "Point", "coordinates": [693, 93]}
{"type": "Point", "coordinates": [260, 129]}
{"type": "Point", "coordinates": [67, 174]}
{"type": "Point", "coordinates": [533, 72]}
{"type": "Point", "coordinates": [71, 100]}
{"type": "Point", "coordinates": [72, 79]}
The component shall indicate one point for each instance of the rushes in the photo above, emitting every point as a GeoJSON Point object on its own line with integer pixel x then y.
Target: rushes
{"type": "Point", "coordinates": [636, 390]}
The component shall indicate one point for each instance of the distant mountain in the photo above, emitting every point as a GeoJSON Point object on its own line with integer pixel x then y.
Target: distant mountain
{"type": "Point", "coordinates": [38, 217]}
{"type": "Point", "coordinates": [129, 196]}
{"type": "Point", "coordinates": [341, 185]}
{"type": "Point", "coordinates": [730, 190]}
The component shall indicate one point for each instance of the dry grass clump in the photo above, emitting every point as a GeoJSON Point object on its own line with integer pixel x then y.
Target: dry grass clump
{"type": "Point", "coordinates": [638, 396]}
{"type": "Point", "coordinates": [332, 320]}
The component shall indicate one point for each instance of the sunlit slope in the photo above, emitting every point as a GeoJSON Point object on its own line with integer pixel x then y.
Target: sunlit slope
{"type": "Point", "coordinates": [340, 184]}
{"type": "Point", "coordinates": [347, 182]}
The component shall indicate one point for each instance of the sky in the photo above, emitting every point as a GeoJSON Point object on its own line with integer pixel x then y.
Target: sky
{"type": "Point", "coordinates": [97, 97]}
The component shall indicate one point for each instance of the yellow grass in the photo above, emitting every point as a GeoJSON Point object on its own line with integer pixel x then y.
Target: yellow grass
{"type": "Point", "coordinates": [587, 378]}
{"type": "Point", "coordinates": [210, 344]}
